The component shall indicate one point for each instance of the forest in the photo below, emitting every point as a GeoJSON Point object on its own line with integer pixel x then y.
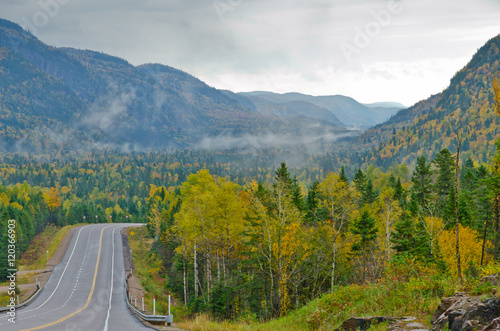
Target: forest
{"type": "Point", "coordinates": [236, 235]}
{"type": "Point", "coordinates": [271, 241]}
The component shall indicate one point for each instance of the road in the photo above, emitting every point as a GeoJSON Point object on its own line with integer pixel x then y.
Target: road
{"type": "Point", "coordinates": [85, 291]}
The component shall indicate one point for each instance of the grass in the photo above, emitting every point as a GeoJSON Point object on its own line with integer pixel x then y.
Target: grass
{"type": "Point", "coordinates": [407, 289]}
{"type": "Point", "coordinates": [147, 270]}
{"type": "Point", "coordinates": [417, 296]}
{"type": "Point", "coordinates": [49, 240]}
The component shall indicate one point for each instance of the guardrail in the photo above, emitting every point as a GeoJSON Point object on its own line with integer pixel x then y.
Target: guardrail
{"type": "Point", "coordinates": [25, 303]}
{"type": "Point", "coordinates": [167, 319]}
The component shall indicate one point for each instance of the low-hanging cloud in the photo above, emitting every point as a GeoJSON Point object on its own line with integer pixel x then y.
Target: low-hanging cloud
{"type": "Point", "coordinates": [255, 143]}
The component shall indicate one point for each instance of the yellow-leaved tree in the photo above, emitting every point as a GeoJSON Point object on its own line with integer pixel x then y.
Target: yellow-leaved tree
{"type": "Point", "coordinates": [337, 197]}
{"type": "Point", "coordinates": [210, 222]}
{"type": "Point", "coordinates": [52, 200]}
{"type": "Point", "coordinates": [470, 248]}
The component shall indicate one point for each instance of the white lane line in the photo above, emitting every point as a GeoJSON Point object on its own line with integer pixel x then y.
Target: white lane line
{"type": "Point", "coordinates": [60, 279]}
{"type": "Point", "coordinates": [64, 271]}
{"type": "Point", "coordinates": [112, 271]}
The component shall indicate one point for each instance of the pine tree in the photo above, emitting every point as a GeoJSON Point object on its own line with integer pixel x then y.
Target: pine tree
{"type": "Point", "coordinates": [365, 230]}
{"type": "Point", "coordinates": [343, 176]}
{"type": "Point", "coordinates": [391, 182]}
{"type": "Point", "coordinates": [445, 164]}
{"type": "Point", "coordinates": [403, 238]}
{"type": "Point", "coordinates": [399, 193]}
{"type": "Point", "coordinates": [312, 203]}
{"type": "Point", "coordinates": [422, 181]}
{"type": "Point", "coordinates": [370, 195]}
{"type": "Point", "coordinates": [360, 180]}
{"type": "Point", "coordinates": [449, 209]}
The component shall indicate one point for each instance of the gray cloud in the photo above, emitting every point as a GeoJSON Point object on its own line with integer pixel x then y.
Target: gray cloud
{"type": "Point", "coordinates": [282, 45]}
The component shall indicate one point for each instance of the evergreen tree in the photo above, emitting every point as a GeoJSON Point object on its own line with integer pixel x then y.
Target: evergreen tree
{"type": "Point", "coordinates": [422, 181]}
{"type": "Point", "coordinates": [360, 180]}
{"type": "Point", "coordinates": [445, 164]}
{"type": "Point", "coordinates": [391, 182]}
{"type": "Point", "coordinates": [399, 193]}
{"type": "Point", "coordinates": [370, 195]}
{"type": "Point", "coordinates": [465, 210]}
{"type": "Point", "coordinates": [365, 230]}
{"type": "Point", "coordinates": [449, 209]}
{"type": "Point", "coordinates": [343, 176]}
{"type": "Point", "coordinates": [311, 215]}
{"type": "Point", "coordinates": [296, 193]}
{"type": "Point", "coordinates": [403, 238]}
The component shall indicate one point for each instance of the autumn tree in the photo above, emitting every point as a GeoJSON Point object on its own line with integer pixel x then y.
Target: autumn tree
{"type": "Point", "coordinates": [470, 247]}
{"type": "Point", "coordinates": [389, 212]}
{"type": "Point", "coordinates": [338, 200]}
{"type": "Point", "coordinates": [52, 200]}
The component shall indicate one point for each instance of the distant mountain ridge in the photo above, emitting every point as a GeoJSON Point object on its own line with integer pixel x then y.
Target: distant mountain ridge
{"type": "Point", "coordinates": [347, 110]}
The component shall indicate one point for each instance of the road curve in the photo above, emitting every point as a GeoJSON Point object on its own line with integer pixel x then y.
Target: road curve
{"type": "Point", "coordinates": [85, 291]}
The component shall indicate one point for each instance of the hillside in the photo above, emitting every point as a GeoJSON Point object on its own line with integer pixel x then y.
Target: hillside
{"type": "Point", "coordinates": [465, 108]}
{"type": "Point", "coordinates": [64, 99]}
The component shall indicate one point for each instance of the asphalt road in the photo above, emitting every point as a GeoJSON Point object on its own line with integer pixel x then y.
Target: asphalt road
{"type": "Point", "coordinates": [85, 291]}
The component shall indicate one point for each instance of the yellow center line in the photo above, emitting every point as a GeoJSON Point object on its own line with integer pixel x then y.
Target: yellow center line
{"type": "Point", "coordinates": [90, 295]}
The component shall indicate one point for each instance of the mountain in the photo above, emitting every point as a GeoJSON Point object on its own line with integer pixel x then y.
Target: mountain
{"type": "Point", "coordinates": [465, 108]}
{"type": "Point", "coordinates": [68, 99]}
{"type": "Point", "coordinates": [285, 109]}
{"type": "Point", "coordinates": [345, 109]}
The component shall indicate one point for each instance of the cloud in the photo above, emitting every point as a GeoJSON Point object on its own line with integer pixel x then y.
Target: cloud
{"type": "Point", "coordinates": [267, 42]}
{"type": "Point", "coordinates": [315, 143]}
{"type": "Point", "coordinates": [106, 112]}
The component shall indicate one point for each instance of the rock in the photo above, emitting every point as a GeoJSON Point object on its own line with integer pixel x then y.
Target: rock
{"type": "Point", "coordinates": [494, 325]}
{"type": "Point", "coordinates": [362, 323]}
{"type": "Point", "coordinates": [466, 313]}
{"type": "Point", "coordinates": [445, 304]}
{"type": "Point", "coordinates": [492, 279]}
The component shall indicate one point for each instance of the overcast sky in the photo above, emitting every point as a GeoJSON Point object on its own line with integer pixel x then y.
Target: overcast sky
{"type": "Point", "coordinates": [371, 50]}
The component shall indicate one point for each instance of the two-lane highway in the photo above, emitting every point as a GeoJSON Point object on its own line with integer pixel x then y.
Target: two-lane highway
{"type": "Point", "coordinates": [86, 290]}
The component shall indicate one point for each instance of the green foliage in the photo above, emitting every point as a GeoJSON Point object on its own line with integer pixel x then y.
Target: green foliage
{"type": "Point", "coordinates": [422, 182]}
{"type": "Point", "coordinates": [366, 231]}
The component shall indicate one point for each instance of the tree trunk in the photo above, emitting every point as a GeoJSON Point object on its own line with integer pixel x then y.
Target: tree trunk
{"type": "Point", "coordinates": [195, 274]}
{"type": "Point", "coordinates": [484, 242]}
{"type": "Point", "coordinates": [334, 251]}
{"type": "Point", "coordinates": [184, 279]}
{"type": "Point", "coordinates": [459, 270]}
{"type": "Point", "coordinates": [218, 268]}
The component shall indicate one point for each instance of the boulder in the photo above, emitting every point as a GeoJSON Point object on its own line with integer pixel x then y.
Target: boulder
{"type": "Point", "coordinates": [466, 313]}
{"type": "Point", "coordinates": [494, 325]}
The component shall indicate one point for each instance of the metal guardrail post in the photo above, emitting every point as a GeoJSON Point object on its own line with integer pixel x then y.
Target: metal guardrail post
{"type": "Point", "coordinates": [148, 318]}
{"type": "Point", "coordinates": [25, 303]}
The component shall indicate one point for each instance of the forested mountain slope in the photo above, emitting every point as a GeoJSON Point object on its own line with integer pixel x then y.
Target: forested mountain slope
{"type": "Point", "coordinates": [64, 99]}
{"type": "Point", "coordinates": [465, 108]}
